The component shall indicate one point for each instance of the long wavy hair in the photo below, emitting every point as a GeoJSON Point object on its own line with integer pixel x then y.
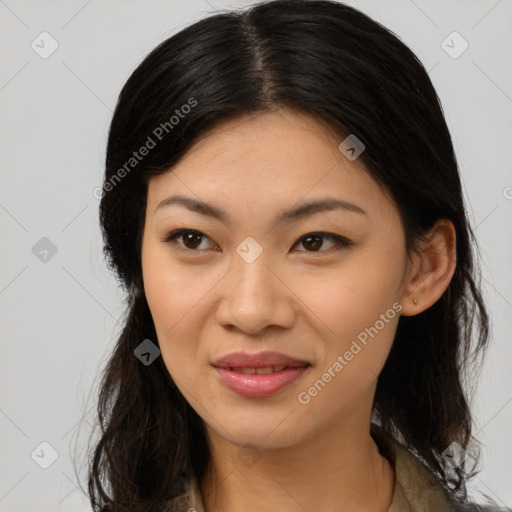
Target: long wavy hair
{"type": "Point", "coordinates": [330, 61]}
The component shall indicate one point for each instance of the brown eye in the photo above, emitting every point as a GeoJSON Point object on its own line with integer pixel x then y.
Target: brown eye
{"type": "Point", "coordinates": [313, 242]}
{"type": "Point", "coordinates": [190, 239]}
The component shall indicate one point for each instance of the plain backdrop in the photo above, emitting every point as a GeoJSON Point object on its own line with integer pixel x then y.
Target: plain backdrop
{"type": "Point", "coordinates": [59, 304]}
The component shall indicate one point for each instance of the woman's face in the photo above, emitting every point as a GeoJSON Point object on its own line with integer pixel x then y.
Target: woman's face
{"type": "Point", "coordinates": [246, 282]}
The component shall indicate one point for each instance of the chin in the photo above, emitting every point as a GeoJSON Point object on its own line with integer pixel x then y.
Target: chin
{"type": "Point", "coordinates": [259, 435]}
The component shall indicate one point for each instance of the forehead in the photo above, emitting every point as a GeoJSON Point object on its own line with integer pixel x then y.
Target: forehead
{"type": "Point", "coordinates": [266, 160]}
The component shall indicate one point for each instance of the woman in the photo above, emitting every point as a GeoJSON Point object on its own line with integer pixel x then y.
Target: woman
{"type": "Point", "coordinates": [283, 207]}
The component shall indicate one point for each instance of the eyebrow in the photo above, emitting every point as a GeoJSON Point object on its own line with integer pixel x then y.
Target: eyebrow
{"type": "Point", "coordinates": [301, 211]}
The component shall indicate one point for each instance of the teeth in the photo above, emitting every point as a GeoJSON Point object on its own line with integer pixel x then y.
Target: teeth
{"type": "Point", "coordinates": [265, 370]}
{"type": "Point", "coordinates": [260, 371]}
{"type": "Point", "coordinates": [247, 371]}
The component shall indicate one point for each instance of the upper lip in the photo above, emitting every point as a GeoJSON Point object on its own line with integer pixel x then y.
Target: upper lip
{"type": "Point", "coordinates": [258, 360]}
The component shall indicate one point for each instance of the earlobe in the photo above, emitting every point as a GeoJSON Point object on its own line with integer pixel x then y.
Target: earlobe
{"type": "Point", "coordinates": [433, 269]}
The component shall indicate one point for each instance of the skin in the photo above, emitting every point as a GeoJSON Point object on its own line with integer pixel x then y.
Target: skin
{"type": "Point", "coordinates": [307, 300]}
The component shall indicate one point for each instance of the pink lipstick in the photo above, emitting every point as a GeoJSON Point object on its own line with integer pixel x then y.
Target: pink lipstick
{"type": "Point", "coordinates": [259, 375]}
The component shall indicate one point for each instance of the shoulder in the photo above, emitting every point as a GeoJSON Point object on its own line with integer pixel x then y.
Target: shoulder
{"type": "Point", "coordinates": [416, 487]}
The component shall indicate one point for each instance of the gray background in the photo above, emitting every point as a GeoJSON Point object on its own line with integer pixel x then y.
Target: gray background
{"type": "Point", "coordinates": [59, 316]}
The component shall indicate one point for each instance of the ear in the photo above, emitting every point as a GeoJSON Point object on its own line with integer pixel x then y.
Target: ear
{"type": "Point", "coordinates": [432, 269]}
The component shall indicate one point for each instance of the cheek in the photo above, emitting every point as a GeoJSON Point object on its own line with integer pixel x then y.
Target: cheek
{"type": "Point", "coordinates": [354, 309]}
{"type": "Point", "coordinates": [173, 293]}
{"type": "Point", "coordinates": [358, 330]}
{"type": "Point", "coordinates": [172, 300]}
{"type": "Point", "coordinates": [351, 296]}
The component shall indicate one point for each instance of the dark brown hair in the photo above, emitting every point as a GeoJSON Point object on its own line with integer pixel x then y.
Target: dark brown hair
{"type": "Point", "coordinates": [330, 61]}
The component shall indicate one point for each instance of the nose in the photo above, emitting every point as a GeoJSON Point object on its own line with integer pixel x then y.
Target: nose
{"type": "Point", "coordinates": [255, 297]}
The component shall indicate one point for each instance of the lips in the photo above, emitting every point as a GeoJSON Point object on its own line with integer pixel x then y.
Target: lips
{"type": "Point", "coordinates": [259, 375]}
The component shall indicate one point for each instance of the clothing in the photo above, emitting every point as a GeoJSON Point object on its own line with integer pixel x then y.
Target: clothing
{"type": "Point", "coordinates": [416, 488]}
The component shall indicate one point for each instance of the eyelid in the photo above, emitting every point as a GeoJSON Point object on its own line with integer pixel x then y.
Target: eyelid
{"type": "Point", "coordinates": [342, 242]}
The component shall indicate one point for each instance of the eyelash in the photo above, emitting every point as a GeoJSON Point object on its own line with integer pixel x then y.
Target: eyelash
{"type": "Point", "coordinates": [342, 242]}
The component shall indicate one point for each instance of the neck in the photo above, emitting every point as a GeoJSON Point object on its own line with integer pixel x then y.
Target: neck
{"type": "Point", "coordinates": [337, 469]}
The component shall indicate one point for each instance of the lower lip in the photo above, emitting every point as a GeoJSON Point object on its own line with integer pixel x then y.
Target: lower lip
{"type": "Point", "coordinates": [258, 386]}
